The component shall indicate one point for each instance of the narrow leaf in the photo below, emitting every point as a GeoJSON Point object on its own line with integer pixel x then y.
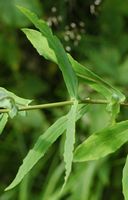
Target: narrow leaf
{"type": "Point", "coordinates": [93, 80]}
{"type": "Point", "coordinates": [102, 143]}
{"type": "Point", "coordinates": [39, 149]}
{"type": "Point", "coordinates": [109, 92]}
{"type": "Point", "coordinates": [42, 145]}
{"type": "Point", "coordinates": [70, 140]}
{"type": "Point", "coordinates": [125, 180]}
{"type": "Point", "coordinates": [3, 121]}
{"type": "Point", "coordinates": [56, 46]}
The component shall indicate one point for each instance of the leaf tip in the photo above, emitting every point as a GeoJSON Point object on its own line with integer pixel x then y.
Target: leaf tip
{"type": "Point", "coordinates": [8, 188]}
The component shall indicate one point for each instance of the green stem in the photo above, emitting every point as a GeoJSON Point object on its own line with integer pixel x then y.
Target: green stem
{"type": "Point", "coordinates": [59, 104]}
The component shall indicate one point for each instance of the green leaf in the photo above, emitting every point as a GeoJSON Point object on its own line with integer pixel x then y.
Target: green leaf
{"type": "Point", "coordinates": [114, 96]}
{"type": "Point", "coordinates": [3, 121]}
{"type": "Point", "coordinates": [12, 102]}
{"type": "Point", "coordinates": [70, 140]}
{"type": "Point", "coordinates": [42, 145]}
{"type": "Point", "coordinates": [42, 46]}
{"type": "Point", "coordinates": [96, 82]}
{"type": "Point", "coordinates": [111, 94]}
{"type": "Point", "coordinates": [40, 43]}
{"type": "Point", "coordinates": [56, 46]}
{"type": "Point", "coordinates": [102, 143]}
{"type": "Point", "coordinates": [125, 180]}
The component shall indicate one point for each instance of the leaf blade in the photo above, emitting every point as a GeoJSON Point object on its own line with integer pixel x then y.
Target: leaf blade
{"type": "Point", "coordinates": [69, 75]}
{"type": "Point", "coordinates": [92, 79]}
{"type": "Point", "coordinates": [40, 43]}
{"type": "Point", "coordinates": [38, 151]}
{"type": "Point", "coordinates": [70, 140]}
{"type": "Point", "coordinates": [40, 148]}
{"type": "Point", "coordinates": [102, 143]}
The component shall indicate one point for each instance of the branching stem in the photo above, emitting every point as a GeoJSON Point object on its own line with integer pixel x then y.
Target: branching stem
{"type": "Point", "coordinates": [59, 104]}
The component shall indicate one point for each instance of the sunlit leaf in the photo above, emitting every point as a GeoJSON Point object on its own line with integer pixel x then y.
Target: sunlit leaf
{"type": "Point", "coordinates": [42, 145]}
{"type": "Point", "coordinates": [61, 56]}
{"type": "Point", "coordinates": [102, 143]}
{"type": "Point", "coordinates": [40, 43]}
{"type": "Point", "coordinates": [125, 180]}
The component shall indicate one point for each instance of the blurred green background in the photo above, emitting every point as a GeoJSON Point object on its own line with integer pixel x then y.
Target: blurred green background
{"type": "Point", "coordinates": [96, 34]}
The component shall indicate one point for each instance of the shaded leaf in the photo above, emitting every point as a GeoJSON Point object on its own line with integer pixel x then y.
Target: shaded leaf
{"type": "Point", "coordinates": [125, 180]}
{"type": "Point", "coordinates": [102, 143]}
{"type": "Point", "coordinates": [42, 145]}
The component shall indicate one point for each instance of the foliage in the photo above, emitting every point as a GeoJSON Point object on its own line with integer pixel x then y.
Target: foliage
{"type": "Point", "coordinates": [107, 137]}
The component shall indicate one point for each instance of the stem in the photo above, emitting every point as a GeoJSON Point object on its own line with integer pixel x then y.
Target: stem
{"type": "Point", "coordinates": [59, 104]}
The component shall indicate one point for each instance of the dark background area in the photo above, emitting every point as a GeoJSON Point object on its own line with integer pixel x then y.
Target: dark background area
{"type": "Point", "coordinates": [96, 34]}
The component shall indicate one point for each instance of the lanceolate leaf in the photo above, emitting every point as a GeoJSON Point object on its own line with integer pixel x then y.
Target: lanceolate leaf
{"type": "Point", "coordinates": [42, 145]}
{"type": "Point", "coordinates": [70, 140]}
{"type": "Point", "coordinates": [102, 143]}
{"type": "Point", "coordinates": [3, 121]}
{"type": "Point", "coordinates": [39, 149]}
{"type": "Point", "coordinates": [42, 46]}
{"type": "Point", "coordinates": [61, 56]}
{"type": "Point", "coordinates": [125, 180]}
